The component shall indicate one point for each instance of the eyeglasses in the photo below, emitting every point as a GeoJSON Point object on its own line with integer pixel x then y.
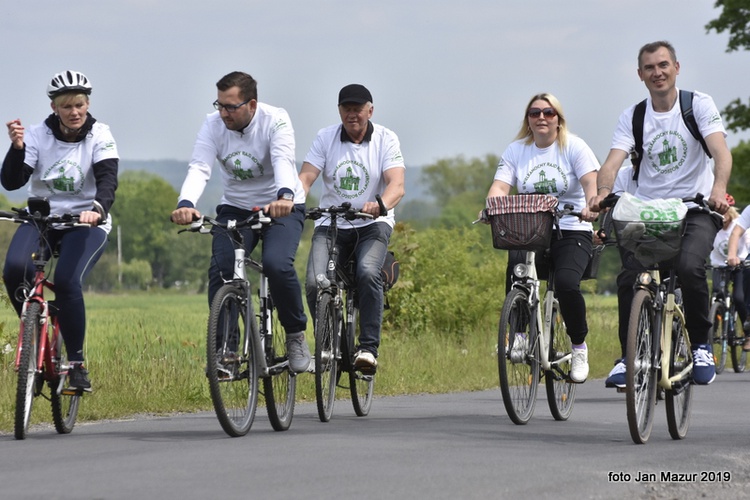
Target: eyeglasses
{"type": "Point", "coordinates": [536, 112]}
{"type": "Point", "coordinates": [229, 108]}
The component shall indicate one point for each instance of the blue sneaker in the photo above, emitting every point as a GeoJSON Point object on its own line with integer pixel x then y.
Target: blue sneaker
{"type": "Point", "coordinates": [704, 370]}
{"type": "Point", "coordinates": [616, 377]}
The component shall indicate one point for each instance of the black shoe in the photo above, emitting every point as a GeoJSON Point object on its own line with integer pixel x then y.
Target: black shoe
{"type": "Point", "coordinates": [78, 379]}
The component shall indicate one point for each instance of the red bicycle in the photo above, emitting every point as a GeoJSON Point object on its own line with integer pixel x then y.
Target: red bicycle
{"type": "Point", "coordinates": [40, 353]}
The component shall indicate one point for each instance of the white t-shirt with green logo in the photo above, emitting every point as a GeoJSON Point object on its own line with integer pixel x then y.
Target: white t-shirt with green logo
{"type": "Point", "coordinates": [63, 171]}
{"type": "Point", "coordinates": [551, 171]}
{"type": "Point", "coordinates": [354, 172]}
{"type": "Point", "coordinates": [255, 163]}
{"type": "Point", "coordinates": [674, 164]}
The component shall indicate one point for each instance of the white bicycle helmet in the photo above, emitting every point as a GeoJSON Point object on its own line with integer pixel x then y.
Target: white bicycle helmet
{"type": "Point", "coordinates": [68, 81]}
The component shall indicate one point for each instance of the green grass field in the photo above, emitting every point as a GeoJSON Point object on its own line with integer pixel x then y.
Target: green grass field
{"type": "Point", "coordinates": [146, 355]}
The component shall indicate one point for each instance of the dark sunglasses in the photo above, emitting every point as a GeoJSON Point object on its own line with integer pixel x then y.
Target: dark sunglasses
{"type": "Point", "coordinates": [536, 112]}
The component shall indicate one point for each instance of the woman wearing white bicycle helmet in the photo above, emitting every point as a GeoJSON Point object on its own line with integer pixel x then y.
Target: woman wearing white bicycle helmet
{"type": "Point", "coordinates": [71, 159]}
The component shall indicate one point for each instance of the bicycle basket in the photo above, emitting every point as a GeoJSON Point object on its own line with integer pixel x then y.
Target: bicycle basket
{"type": "Point", "coordinates": [521, 222]}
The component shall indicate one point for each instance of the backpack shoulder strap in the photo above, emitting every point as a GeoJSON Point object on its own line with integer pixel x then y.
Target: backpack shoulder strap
{"type": "Point", "coordinates": [686, 106]}
{"type": "Point", "coordinates": [639, 114]}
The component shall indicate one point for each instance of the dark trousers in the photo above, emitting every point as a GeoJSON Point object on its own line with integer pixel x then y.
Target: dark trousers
{"type": "Point", "coordinates": [80, 248]}
{"type": "Point", "coordinates": [696, 245]}
{"type": "Point", "coordinates": [280, 242]}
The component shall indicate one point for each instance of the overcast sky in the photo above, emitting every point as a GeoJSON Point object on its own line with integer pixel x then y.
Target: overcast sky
{"type": "Point", "coordinates": [449, 78]}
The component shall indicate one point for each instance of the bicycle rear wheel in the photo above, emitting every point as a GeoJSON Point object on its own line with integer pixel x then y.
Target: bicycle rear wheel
{"type": "Point", "coordinates": [679, 399]}
{"type": "Point", "coordinates": [327, 336]}
{"type": "Point", "coordinates": [280, 386]}
{"type": "Point", "coordinates": [561, 392]}
{"type": "Point", "coordinates": [27, 375]}
{"type": "Point", "coordinates": [361, 385]}
{"type": "Point", "coordinates": [718, 335]}
{"type": "Point", "coordinates": [231, 365]}
{"type": "Point", "coordinates": [64, 404]}
{"type": "Point", "coordinates": [739, 356]}
{"type": "Point", "coordinates": [640, 374]}
{"type": "Point", "coordinates": [517, 357]}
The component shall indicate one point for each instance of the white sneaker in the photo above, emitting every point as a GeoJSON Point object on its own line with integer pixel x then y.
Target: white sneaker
{"type": "Point", "coordinates": [579, 365]}
{"type": "Point", "coordinates": [365, 362]}
{"type": "Point", "coordinates": [519, 349]}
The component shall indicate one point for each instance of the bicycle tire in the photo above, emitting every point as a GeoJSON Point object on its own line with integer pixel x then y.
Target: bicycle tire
{"type": "Point", "coordinates": [561, 391]}
{"type": "Point", "coordinates": [361, 386]}
{"type": "Point", "coordinates": [718, 335]}
{"type": "Point", "coordinates": [327, 337]}
{"type": "Point", "coordinates": [231, 366]}
{"type": "Point", "coordinates": [64, 406]}
{"type": "Point", "coordinates": [280, 386]}
{"type": "Point", "coordinates": [519, 377]}
{"type": "Point", "coordinates": [27, 375]}
{"type": "Point", "coordinates": [640, 374]}
{"type": "Point", "coordinates": [735, 342]}
{"type": "Point", "coordinates": [679, 400]}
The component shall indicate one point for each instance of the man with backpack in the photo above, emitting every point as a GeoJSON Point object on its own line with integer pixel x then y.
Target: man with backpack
{"type": "Point", "coordinates": [672, 163]}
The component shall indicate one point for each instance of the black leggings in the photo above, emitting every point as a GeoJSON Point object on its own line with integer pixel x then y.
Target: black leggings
{"type": "Point", "coordinates": [569, 256]}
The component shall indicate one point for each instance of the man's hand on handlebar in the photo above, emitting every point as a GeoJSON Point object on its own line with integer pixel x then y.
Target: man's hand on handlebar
{"type": "Point", "coordinates": [184, 216]}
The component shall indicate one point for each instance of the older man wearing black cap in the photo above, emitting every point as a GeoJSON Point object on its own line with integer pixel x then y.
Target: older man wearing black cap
{"type": "Point", "coordinates": [358, 160]}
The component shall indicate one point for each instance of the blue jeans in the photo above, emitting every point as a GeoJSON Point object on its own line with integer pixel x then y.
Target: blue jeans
{"type": "Point", "coordinates": [80, 248]}
{"type": "Point", "coordinates": [280, 242]}
{"type": "Point", "coordinates": [368, 245]}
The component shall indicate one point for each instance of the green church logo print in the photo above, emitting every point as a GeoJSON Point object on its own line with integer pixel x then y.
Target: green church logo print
{"type": "Point", "coordinates": [237, 166]}
{"type": "Point", "coordinates": [672, 155]}
{"type": "Point", "coordinates": [64, 177]}
{"type": "Point", "coordinates": [545, 186]}
{"type": "Point", "coordinates": [350, 179]}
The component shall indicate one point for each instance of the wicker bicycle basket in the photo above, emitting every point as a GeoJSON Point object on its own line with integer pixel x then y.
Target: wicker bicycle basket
{"type": "Point", "coordinates": [521, 222]}
{"type": "Point", "coordinates": [648, 243]}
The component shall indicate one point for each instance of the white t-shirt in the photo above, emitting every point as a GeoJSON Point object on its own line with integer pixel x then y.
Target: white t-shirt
{"type": "Point", "coordinates": [721, 245]}
{"type": "Point", "coordinates": [63, 171]}
{"type": "Point", "coordinates": [354, 172]}
{"type": "Point", "coordinates": [254, 163]}
{"type": "Point", "coordinates": [550, 171]}
{"type": "Point", "coordinates": [674, 164]}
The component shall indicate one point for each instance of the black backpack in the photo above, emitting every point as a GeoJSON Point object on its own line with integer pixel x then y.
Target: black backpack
{"type": "Point", "coordinates": [639, 115]}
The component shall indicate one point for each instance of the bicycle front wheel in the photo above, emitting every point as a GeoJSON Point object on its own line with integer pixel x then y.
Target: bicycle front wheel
{"type": "Point", "coordinates": [517, 357]}
{"type": "Point", "coordinates": [280, 386]}
{"type": "Point", "coordinates": [718, 335]}
{"type": "Point", "coordinates": [327, 337]}
{"type": "Point", "coordinates": [27, 374]}
{"type": "Point", "coordinates": [361, 386]}
{"type": "Point", "coordinates": [640, 373]}
{"type": "Point", "coordinates": [64, 404]}
{"type": "Point", "coordinates": [231, 366]}
{"type": "Point", "coordinates": [739, 356]}
{"type": "Point", "coordinates": [561, 391]}
{"type": "Point", "coordinates": [679, 399]}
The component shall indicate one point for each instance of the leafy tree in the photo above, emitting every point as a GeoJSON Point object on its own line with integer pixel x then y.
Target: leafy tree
{"type": "Point", "coordinates": [453, 176]}
{"type": "Point", "coordinates": [735, 19]}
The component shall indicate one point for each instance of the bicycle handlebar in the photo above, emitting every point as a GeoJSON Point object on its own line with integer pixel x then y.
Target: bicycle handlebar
{"type": "Point", "coordinates": [203, 224]}
{"type": "Point", "coordinates": [21, 215]}
{"type": "Point", "coordinates": [345, 210]}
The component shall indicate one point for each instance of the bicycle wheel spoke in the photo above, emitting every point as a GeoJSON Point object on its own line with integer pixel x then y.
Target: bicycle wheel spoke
{"type": "Point", "coordinates": [640, 375]}
{"type": "Point", "coordinates": [280, 386]}
{"type": "Point", "coordinates": [679, 399]}
{"type": "Point", "coordinates": [361, 386]}
{"type": "Point", "coordinates": [561, 392]}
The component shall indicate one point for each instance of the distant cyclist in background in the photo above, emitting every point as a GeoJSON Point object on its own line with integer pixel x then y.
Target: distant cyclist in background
{"type": "Point", "coordinates": [358, 160]}
{"type": "Point", "coordinates": [253, 143]}
{"type": "Point", "coordinates": [681, 170]}
{"type": "Point", "coordinates": [71, 159]}
{"type": "Point", "coordinates": [546, 158]}
{"type": "Point", "coordinates": [738, 248]}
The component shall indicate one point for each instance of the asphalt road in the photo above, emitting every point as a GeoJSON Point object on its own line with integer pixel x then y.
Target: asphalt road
{"type": "Point", "coordinates": [456, 446]}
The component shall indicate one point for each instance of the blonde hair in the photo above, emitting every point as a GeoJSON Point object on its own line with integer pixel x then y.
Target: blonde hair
{"type": "Point", "coordinates": [69, 98]}
{"type": "Point", "coordinates": [525, 133]}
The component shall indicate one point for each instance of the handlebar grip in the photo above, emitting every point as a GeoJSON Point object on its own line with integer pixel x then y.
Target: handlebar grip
{"type": "Point", "coordinates": [383, 209]}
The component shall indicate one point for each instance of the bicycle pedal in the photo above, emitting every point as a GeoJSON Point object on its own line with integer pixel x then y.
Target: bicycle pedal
{"type": "Point", "coordinates": [622, 389]}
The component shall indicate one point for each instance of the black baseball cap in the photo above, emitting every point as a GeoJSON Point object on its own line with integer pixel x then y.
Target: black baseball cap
{"type": "Point", "coordinates": [355, 93]}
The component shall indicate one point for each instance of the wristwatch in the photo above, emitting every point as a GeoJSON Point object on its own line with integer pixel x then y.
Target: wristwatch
{"type": "Point", "coordinates": [287, 197]}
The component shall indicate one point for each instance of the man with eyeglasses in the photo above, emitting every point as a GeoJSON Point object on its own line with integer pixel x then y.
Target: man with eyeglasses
{"type": "Point", "coordinates": [253, 145]}
{"type": "Point", "coordinates": [673, 165]}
